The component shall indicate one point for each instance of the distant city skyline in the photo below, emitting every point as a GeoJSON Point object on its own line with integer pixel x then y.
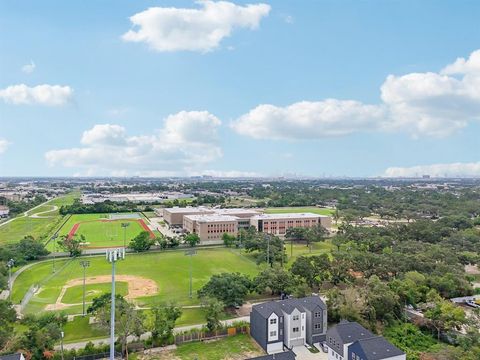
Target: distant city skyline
{"type": "Point", "coordinates": [239, 88]}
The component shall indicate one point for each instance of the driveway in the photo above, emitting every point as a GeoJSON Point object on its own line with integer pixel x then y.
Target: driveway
{"type": "Point", "coordinates": [304, 354]}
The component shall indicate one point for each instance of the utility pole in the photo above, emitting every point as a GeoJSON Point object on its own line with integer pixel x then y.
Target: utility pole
{"type": "Point", "coordinates": [190, 253]}
{"type": "Point", "coordinates": [124, 226]}
{"type": "Point", "coordinates": [10, 264]}
{"type": "Point", "coordinates": [113, 255]}
{"type": "Point", "coordinates": [84, 264]}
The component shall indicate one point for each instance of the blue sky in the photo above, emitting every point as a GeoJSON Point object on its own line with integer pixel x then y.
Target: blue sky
{"type": "Point", "coordinates": [318, 88]}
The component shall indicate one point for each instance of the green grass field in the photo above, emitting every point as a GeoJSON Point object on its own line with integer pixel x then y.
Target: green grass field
{"type": "Point", "coordinates": [98, 233]}
{"type": "Point", "coordinates": [170, 270]}
{"type": "Point", "coordinates": [306, 209]}
{"type": "Point", "coordinates": [39, 228]}
{"type": "Point", "coordinates": [233, 347]}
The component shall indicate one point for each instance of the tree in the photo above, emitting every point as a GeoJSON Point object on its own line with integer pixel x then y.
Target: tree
{"type": "Point", "coordinates": [72, 244]}
{"type": "Point", "coordinates": [30, 249]}
{"type": "Point", "coordinates": [161, 321]}
{"type": "Point", "coordinates": [303, 267]}
{"type": "Point", "coordinates": [444, 315]}
{"type": "Point", "coordinates": [43, 332]}
{"type": "Point", "coordinates": [228, 239]}
{"type": "Point", "coordinates": [275, 280]}
{"type": "Point", "coordinates": [141, 242]}
{"type": "Point", "coordinates": [229, 288]}
{"type": "Point", "coordinates": [128, 321]}
{"type": "Point", "coordinates": [315, 234]}
{"type": "Point", "coordinates": [192, 239]}
{"type": "Point", "coordinates": [213, 310]}
{"type": "Point", "coordinates": [267, 246]}
{"type": "Point", "coordinates": [7, 318]}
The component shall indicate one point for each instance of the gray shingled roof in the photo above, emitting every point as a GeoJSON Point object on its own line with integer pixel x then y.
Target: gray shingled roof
{"type": "Point", "coordinates": [289, 355]}
{"type": "Point", "coordinates": [349, 332]}
{"type": "Point", "coordinates": [289, 305]}
{"type": "Point", "coordinates": [377, 348]}
{"type": "Point", "coordinates": [16, 356]}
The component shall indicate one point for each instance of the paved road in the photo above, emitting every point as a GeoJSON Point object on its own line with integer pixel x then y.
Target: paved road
{"type": "Point", "coordinates": [26, 213]}
{"type": "Point", "coordinates": [82, 344]}
{"type": "Point", "coordinates": [38, 215]}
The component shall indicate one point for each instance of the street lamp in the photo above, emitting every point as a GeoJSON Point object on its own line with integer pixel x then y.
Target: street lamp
{"type": "Point", "coordinates": [124, 226]}
{"type": "Point", "coordinates": [62, 335]}
{"type": "Point", "coordinates": [190, 253]}
{"type": "Point", "coordinates": [113, 255]}
{"type": "Point", "coordinates": [84, 264]}
{"type": "Point", "coordinates": [10, 264]}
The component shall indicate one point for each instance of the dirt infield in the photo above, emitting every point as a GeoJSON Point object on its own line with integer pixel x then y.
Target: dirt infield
{"type": "Point", "coordinates": [137, 287]}
{"type": "Point", "coordinates": [141, 222]}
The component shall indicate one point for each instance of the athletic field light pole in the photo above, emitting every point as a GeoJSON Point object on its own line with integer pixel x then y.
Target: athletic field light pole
{"type": "Point", "coordinates": [113, 255]}
{"type": "Point", "coordinates": [190, 253]}
{"type": "Point", "coordinates": [124, 226]}
{"type": "Point", "coordinates": [84, 264]}
{"type": "Point", "coordinates": [10, 264]}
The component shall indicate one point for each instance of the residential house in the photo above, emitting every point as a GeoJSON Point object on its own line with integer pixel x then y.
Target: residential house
{"type": "Point", "coordinates": [288, 323]}
{"type": "Point", "coordinates": [351, 341]}
{"type": "Point", "coordinates": [16, 356]}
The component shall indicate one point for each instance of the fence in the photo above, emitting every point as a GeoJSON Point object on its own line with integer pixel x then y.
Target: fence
{"type": "Point", "coordinates": [205, 335]}
{"type": "Point", "coordinates": [31, 291]}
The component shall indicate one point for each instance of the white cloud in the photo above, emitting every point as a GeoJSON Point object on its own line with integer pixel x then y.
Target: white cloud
{"type": "Point", "coordinates": [177, 29]}
{"type": "Point", "coordinates": [419, 104]}
{"type": "Point", "coordinates": [309, 120]}
{"type": "Point", "coordinates": [29, 68]}
{"type": "Point", "coordinates": [436, 170]}
{"type": "Point", "coordinates": [187, 141]}
{"type": "Point", "coordinates": [117, 112]}
{"type": "Point", "coordinates": [48, 95]}
{"type": "Point", "coordinates": [4, 144]}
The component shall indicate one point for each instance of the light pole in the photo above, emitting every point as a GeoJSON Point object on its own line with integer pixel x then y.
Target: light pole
{"type": "Point", "coordinates": [62, 335]}
{"type": "Point", "coordinates": [10, 264]}
{"type": "Point", "coordinates": [84, 264]}
{"type": "Point", "coordinates": [190, 253]}
{"type": "Point", "coordinates": [113, 255]}
{"type": "Point", "coordinates": [124, 226]}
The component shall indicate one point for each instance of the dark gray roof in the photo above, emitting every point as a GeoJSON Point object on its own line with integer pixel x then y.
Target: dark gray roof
{"type": "Point", "coordinates": [288, 305]}
{"type": "Point", "coordinates": [377, 348]}
{"type": "Point", "coordinates": [16, 356]}
{"type": "Point", "coordinates": [348, 332]}
{"type": "Point", "coordinates": [288, 355]}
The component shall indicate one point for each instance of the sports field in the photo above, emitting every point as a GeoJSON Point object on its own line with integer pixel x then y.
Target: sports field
{"type": "Point", "coordinates": [306, 209]}
{"type": "Point", "coordinates": [101, 231]}
{"type": "Point", "coordinates": [40, 222]}
{"type": "Point", "coordinates": [150, 278]}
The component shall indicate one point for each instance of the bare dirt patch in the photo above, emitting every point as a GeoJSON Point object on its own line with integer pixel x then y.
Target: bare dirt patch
{"type": "Point", "coordinates": [137, 287]}
{"type": "Point", "coordinates": [472, 269]}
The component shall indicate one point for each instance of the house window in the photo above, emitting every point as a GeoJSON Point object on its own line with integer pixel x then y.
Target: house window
{"type": "Point", "coordinates": [295, 329]}
{"type": "Point", "coordinates": [273, 333]}
{"type": "Point", "coordinates": [318, 314]}
{"type": "Point", "coordinates": [273, 321]}
{"type": "Point", "coordinates": [317, 326]}
{"type": "Point", "coordinates": [295, 317]}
